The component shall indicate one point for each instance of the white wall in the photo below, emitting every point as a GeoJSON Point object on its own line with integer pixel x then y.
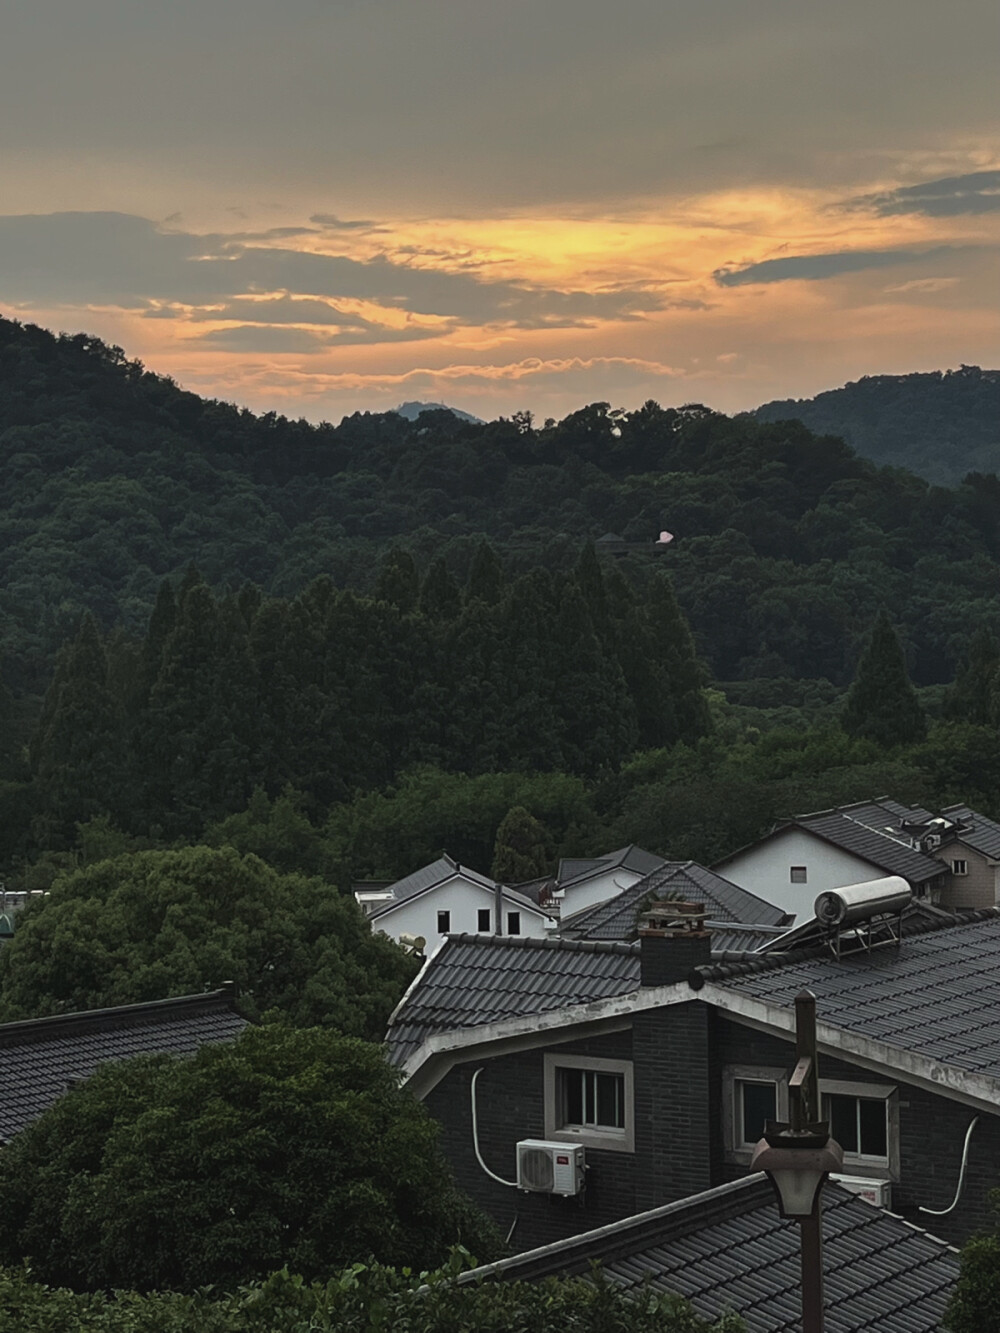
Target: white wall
{"type": "Point", "coordinates": [597, 890]}
{"type": "Point", "coordinates": [463, 899]}
{"type": "Point", "coordinates": [766, 870]}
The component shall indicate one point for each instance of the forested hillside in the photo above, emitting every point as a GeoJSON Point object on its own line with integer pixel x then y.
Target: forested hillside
{"type": "Point", "coordinates": [787, 544]}
{"type": "Point", "coordinates": [941, 425]}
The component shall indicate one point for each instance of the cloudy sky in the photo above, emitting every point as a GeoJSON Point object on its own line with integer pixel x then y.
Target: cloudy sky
{"type": "Point", "coordinates": [319, 206]}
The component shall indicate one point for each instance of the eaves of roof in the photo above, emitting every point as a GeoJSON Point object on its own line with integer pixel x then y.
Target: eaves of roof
{"type": "Point", "coordinates": [914, 866]}
{"type": "Point", "coordinates": [724, 1249]}
{"type": "Point", "coordinates": [509, 896]}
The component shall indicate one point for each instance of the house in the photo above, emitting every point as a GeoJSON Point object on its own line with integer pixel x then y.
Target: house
{"type": "Point", "coordinates": [970, 848]}
{"type": "Point", "coordinates": [662, 1062]}
{"type": "Point", "coordinates": [727, 1249]}
{"type": "Point", "coordinates": [739, 920]}
{"type": "Point", "coordinates": [583, 882]}
{"type": "Point", "coordinates": [832, 848]}
{"type": "Point", "coordinates": [41, 1057]}
{"type": "Point", "coordinates": [446, 897]}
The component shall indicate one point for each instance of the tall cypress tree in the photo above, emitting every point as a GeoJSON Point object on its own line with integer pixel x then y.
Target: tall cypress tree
{"type": "Point", "coordinates": [485, 583]}
{"type": "Point", "coordinates": [398, 582]}
{"type": "Point", "coordinates": [971, 698]}
{"type": "Point", "coordinates": [882, 705]}
{"type": "Point", "coordinates": [77, 754]}
{"type": "Point", "coordinates": [439, 595]}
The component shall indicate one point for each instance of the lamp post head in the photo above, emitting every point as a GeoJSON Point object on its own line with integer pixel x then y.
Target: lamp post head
{"type": "Point", "coordinates": [797, 1162]}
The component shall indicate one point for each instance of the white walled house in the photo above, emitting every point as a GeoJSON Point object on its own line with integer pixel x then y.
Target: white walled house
{"type": "Point", "coordinates": [833, 848]}
{"type": "Point", "coordinates": [445, 898]}
{"type": "Point", "coordinates": [583, 883]}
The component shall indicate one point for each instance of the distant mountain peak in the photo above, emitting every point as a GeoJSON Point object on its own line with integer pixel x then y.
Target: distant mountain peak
{"type": "Point", "coordinates": [413, 409]}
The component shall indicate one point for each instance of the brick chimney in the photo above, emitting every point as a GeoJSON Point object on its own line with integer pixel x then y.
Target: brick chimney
{"type": "Point", "coordinates": [672, 942]}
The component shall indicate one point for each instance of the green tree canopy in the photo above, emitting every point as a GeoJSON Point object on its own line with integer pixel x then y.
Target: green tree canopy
{"type": "Point", "coordinates": [365, 1298]}
{"type": "Point", "coordinates": [148, 925]}
{"type": "Point", "coordinates": [882, 704]}
{"type": "Point", "coordinates": [293, 1148]}
{"type": "Point", "coordinates": [523, 847]}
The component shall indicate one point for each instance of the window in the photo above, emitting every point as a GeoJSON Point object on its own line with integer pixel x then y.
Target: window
{"type": "Point", "coordinates": [750, 1095]}
{"type": "Point", "coordinates": [756, 1102]}
{"type": "Point", "coordinates": [798, 875]}
{"type": "Point", "coordinates": [959, 867]}
{"type": "Point", "coordinates": [483, 925]}
{"type": "Point", "coordinates": [860, 1124]}
{"type": "Point", "coordinates": [589, 1101]}
{"type": "Point", "coordinates": [444, 923]}
{"type": "Point", "coordinates": [513, 923]}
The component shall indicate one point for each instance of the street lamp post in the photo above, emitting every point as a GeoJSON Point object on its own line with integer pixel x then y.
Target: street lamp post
{"type": "Point", "coordinates": [798, 1158]}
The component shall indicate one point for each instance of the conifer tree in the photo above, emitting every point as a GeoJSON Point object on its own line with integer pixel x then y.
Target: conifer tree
{"type": "Point", "coordinates": [523, 847]}
{"type": "Point", "coordinates": [201, 723]}
{"type": "Point", "coordinates": [882, 705]}
{"type": "Point", "coordinates": [398, 582]}
{"type": "Point", "coordinates": [485, 583]}
{"type": "Point", "coordinates": [77, 754]}
{"type": "Point", "coordinates": [971, 698]}
{"type": "Point", "coordinates": [439, 595]}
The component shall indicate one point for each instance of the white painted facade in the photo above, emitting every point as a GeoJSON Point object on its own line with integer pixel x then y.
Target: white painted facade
{"type": "Point", "coordinates": [462, 900]}
{"type": "Point", "coordinates": [589, 892]}
{"type": "Point", "coordinates": [766, 870]}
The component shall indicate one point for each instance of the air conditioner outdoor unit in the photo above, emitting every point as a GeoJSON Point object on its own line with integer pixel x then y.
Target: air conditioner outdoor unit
{"type": "Point", "coordinates": [550, 1168]}
{"type": "Point", "coordinates": [876, 1192]}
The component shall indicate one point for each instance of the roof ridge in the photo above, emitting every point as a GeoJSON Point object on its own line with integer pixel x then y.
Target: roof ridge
{"type": "Point", "coordinates": [52, 1024]}
{"type": "Point", "coordinates": [547, 942]}
{"type": "Point", "coordinates": [765, 963]}
{"type": "Point", "coordinates": [770, 962]}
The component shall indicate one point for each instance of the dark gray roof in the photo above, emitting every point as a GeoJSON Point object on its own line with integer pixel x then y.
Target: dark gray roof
{"type": "Point", "coordinates": [869, 829]}
{"type": "Point", "coordinates": [628, 858]}
{"type": "Point", "coordinates": [443, 868]}
{"type": "Point", "coordinates": [615, 919]}
{"type": "Point", "coordinates": [39, 1058]}
{"type": "Point", "coordinates": [937, 995]}
{"type": "Point", "coordinates": [983, 836]}
{"type": "Point", "coordinates": [476, 979]}
{"type": "Point", "coordinates": [728, 1249]}
{"type": "Point", "coordinates": [855, 829]}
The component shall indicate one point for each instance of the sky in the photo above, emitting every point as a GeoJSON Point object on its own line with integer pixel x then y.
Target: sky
{"type": "Point", "coordinates": [318, 207]}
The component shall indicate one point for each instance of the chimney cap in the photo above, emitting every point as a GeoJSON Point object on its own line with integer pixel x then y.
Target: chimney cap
{"type": "Point", "coordinates": [673, 919]}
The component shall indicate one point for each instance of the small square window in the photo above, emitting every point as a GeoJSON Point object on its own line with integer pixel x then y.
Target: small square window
{"type": "Point", "coordinates": [513, 923]}
{"type": "Point", "coordinates": [798, 875]}
{"type": "Point", "coordinates": [959, 867]}
{"type": "Point", "coordinates": [589, 1100]}
{"type": "Point", "coordinates": [859, 1124]}
{"type": "Point", "coordinates": [483, 924]}
{"type": "Point", "coordinates": [444, 923]}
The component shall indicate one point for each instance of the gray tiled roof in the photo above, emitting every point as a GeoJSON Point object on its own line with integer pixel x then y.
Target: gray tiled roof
{"type": "Point", "coordinates": [937, 995]}
{"type": "Point", "coordinates": [853, 829]}
{"type": "Point", "coordinates": [984, 835]}
{"type": "Point", "coordinates": [41, 1057]}
{"type": "Point", "coordinates": [476, 979]}
{"type": "Point", "coordinates": [443, 868]}
{"type": "Point", "coordinates": [627, 858]}
{"type": "Point", "coordinates": [728, 1249]}
{"type": "Point", "coordinates": [615, 919]}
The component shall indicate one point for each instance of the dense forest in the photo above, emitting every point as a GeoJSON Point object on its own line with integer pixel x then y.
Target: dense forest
{"type": "Point", "coordinates": [231, 628]}
{"type": "Point", "coordinates": [941, 425]}
{"type": "Point", "coordinates": [786, 544]}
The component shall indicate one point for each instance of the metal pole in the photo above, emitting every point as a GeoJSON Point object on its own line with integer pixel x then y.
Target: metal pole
{"type": "Point", "coordinates": [811, 1232]}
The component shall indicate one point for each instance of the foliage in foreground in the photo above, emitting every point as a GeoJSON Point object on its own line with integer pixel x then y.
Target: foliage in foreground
{"type": "Point", "coordinates": [148, 925]}
{"type": "Point", "coordinates": [361, 1299]}
{"type": "Point", "coordinates": [285, 1147]}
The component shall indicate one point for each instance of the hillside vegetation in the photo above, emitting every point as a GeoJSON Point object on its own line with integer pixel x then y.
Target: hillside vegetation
{"type": "Point", "coordinates": [941, 425]}
{"type": "Point", "coordinates": [787, 543]}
